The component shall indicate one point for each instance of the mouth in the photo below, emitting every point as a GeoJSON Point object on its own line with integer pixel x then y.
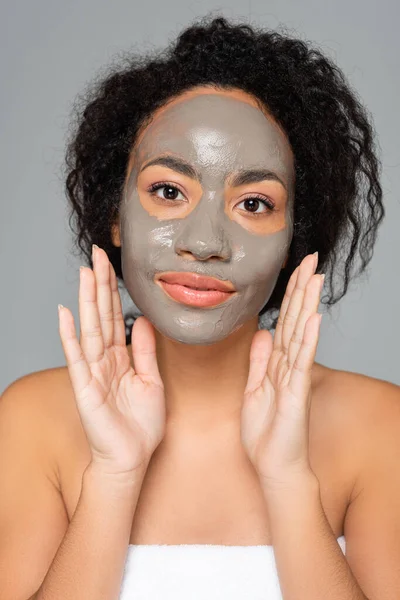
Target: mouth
{"type": "Point", "coordinates": [196, 282]}
{"type": "Point", "coordinates": [195, 290]}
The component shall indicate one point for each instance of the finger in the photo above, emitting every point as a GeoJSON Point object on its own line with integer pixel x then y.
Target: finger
{"type": "Point", "coordinates": [91, 339]}
{"type": "Point", "coordinates": [285, 303]}
{"type": "Point", "coordinates": [78, 368]}
{"type": "Point", "coordinates": [101, 269]}
{"type": "Point", "coordinates": [300, 376]}
{"type": "Point", "coordinates": [306, 271]}
{"type": "Point", "coordinates": [119, 324]}
{"type": "Point", "coordinates": [260, 351]}
{"type": "Point", "coordinates": [310, 306]}
{"type": "Point", "coordinates": [144, 351]}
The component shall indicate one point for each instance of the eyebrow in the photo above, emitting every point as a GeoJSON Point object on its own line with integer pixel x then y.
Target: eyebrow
{"type": "Point", "coordinates": [241, 177]}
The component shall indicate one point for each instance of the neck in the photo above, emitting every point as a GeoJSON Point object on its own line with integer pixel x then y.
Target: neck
{"type": "Point", "coordinates": [204, 384]}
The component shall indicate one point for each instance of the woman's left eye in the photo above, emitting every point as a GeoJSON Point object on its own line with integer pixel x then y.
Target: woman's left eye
{"type": "Point", "coordinates": [254, 202]}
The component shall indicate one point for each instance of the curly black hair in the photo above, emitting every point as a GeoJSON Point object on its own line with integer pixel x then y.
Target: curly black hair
{"type": "Point", "coordinates": [338, 197]}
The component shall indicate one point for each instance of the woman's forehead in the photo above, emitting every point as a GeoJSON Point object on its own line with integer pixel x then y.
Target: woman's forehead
{"type": "Point", "coordinates": [214, 128]}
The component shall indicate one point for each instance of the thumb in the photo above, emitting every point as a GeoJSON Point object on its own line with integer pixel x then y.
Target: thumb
{"type": "Point", "coordinates": [260, 351]}
{"type": "Point", "coordinates": [144, 354]}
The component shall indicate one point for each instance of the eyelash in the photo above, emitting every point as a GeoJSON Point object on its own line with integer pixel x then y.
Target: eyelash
{"type": "Point", "coordinates": [157, 186]}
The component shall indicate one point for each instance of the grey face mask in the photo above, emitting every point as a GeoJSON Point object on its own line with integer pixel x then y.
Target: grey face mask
{"type": "Point", "coordinates": [218, 135]}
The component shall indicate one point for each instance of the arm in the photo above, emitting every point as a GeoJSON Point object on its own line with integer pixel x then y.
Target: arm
{"type": "Point", "coordinates": [312, 565]}
{"type": "Point", "coordinates": [43, 556]}
{"type": "Point", "coordinates": [275, 425]}
{"type": "Point", "coordinates": [310, 562]}
{"type": "Point", "coordinates": [89, 563]}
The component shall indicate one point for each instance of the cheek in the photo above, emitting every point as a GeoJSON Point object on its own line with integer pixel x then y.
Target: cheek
{"type": "Point", "coordinates": [144, 238]}
{"type": "Point", "coordinates": [261, 258]}
{"type": "Point", "coordinates": [258, 272]}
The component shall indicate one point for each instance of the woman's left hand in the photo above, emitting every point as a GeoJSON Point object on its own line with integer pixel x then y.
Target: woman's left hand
{"type": "Point", "coordinates": [277, 399]}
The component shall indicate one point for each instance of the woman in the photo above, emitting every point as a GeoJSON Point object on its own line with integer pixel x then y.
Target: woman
{"type": "Point", "coordinates": [237, 161]}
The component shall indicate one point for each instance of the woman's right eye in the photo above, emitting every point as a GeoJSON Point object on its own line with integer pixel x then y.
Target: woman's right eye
{"type": "Point", "coordinates": [169, 192]}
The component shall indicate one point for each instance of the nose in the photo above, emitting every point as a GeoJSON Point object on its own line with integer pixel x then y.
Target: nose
{"type": "Point", "coordinates": [204, 237]}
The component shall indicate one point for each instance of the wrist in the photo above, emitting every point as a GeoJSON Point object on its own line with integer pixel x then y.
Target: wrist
{"type": "Point", "coordinates": [290, 488]}
{"type": "Point", "coordinates": [98, 476]}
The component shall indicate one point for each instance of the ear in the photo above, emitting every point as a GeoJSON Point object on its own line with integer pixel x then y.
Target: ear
{"type": "Point", "coordinates": [115, 236]}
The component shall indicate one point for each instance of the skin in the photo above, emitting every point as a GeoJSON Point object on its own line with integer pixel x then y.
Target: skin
{"type": "Point", "coordinates": [208, 228]}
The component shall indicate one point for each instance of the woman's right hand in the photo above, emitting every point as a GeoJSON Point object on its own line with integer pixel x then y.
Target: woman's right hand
{"type": "Point", "coordinates": [122, 409]}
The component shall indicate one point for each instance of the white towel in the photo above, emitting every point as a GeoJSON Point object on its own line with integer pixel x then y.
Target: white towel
{"type": "Point", "coordinates": [202, 572]}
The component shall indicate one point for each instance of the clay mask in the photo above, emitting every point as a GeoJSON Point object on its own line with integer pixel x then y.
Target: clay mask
{"type": "Point", "coordinates": [205, 232]}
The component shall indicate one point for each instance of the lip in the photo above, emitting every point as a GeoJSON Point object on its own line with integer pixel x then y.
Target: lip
{"type": "Point", "coordinates": [177, 286]}
{"type": "Point", "coordinates": [193, 280]}
{"type": "Point", "coordinates": [195, 298]}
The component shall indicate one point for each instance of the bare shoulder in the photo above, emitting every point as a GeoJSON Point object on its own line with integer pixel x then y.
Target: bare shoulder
{"type": "Point", "coordinates": [34, 430]}
{"type": "Point", "coordinates": [47, 391]}
{"type": "Point", "coordinates": [46, 400]}
{"type": "Point", "coordinates": [365, 398]}
{"type": "Point", "coordinates": [360, 411]}
{"type": "Point", "coordinates": [368, 410]}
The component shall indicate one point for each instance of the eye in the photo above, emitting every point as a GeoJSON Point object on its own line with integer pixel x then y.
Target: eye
{"type": "Point", "coordinates": [254, 202]}
{"type": "Point", "coordinates": [169, 192]}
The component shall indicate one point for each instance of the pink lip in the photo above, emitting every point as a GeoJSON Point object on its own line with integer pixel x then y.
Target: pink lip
{"type": "Point", "coordinates": [191, 297]}
{"type": "Point", "coordinates": [193, 280]}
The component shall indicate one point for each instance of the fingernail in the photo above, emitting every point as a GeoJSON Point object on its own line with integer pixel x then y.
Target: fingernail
{"type": "Point", "coordinates": [60, 306]}
{"type": "Point", "coordinates": [94, 248]}
{"type": "Point", "coordinates": [322, 275]}
{"type": "Point", "coordinates": [316, 257]}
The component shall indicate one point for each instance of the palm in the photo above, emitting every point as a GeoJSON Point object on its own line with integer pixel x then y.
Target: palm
{"type": "Point", "coordinates": [129, 408]}
{"type": "Point", "coordinates": [278, 369]}
{"type": "Point", "coordinates": [279, 377]}
{"type": "Point", "coordinates": [122, 407]}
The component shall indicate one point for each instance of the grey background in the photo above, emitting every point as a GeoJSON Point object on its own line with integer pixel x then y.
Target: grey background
{"type": "Point", "coordinates": [51, 48]}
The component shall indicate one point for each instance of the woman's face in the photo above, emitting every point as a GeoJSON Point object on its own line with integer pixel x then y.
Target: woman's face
{"type": "Point", "coordinates": [211, 223]}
